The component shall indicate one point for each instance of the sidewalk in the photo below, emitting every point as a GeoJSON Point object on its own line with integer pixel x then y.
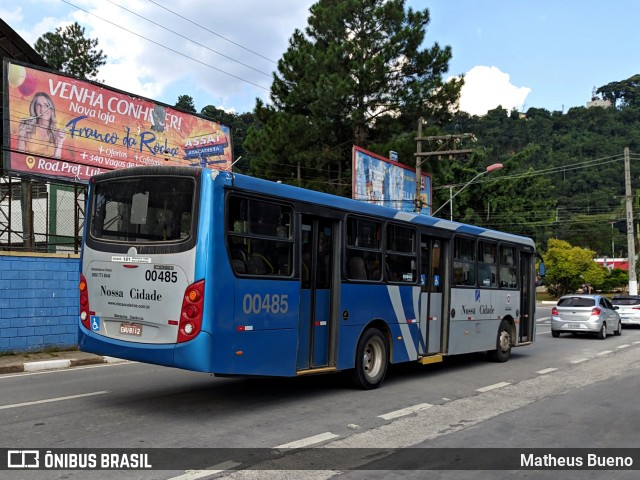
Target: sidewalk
{"type": "Point", "coordinates": [32, 362]}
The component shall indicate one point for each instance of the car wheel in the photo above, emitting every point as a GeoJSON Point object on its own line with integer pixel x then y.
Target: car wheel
{"type": "Point", "coordinates": [619, 330]}
{"type": "Point", "coordinates": [555, 333]}
{"type": "Point", "coordinates": [602, 334]}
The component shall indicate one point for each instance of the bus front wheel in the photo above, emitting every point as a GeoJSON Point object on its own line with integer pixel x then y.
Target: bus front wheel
{"type": "Point", "coordinates": [502, 353]}
{"type": "Point", "coordinates": [371, 360]}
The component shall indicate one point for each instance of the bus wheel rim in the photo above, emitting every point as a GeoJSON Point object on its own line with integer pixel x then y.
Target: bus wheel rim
{"type": "Point", "coordinates": [372, 359]}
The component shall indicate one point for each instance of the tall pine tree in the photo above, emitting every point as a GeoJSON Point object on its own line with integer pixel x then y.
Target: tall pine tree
{"type": "Point", "coordinates": [68, 51]}
{"type": "Point", "coordinates": [358, 63]}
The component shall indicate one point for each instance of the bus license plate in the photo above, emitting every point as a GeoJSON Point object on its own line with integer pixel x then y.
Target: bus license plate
{"type": "Point", "coordinates": [130, 329]}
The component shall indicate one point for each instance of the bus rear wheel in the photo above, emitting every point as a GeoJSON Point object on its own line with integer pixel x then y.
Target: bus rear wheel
{"type": "Point", "coordinates": [371, 360]}
{"type": "Point", "coordinates": [502, 353]}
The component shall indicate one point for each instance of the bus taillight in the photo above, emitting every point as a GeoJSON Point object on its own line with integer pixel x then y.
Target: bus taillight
{"type": "Point", "coordinates": [85, 315]}
{"type": "Point", "coordinates": [191, 313]}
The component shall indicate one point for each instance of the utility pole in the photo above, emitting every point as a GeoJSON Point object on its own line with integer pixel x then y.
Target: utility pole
{"type": "Point", "coordinates": [631, 246]}
{"type": "Point", "coordinates": [449, 142]}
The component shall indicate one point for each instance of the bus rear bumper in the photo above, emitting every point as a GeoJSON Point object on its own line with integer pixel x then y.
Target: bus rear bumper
{"type": "Point", "coordinates": [192, 355]}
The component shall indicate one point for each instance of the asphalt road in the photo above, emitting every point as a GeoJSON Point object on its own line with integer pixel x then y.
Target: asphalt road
{"type": "Point", "coordinates": [566, 392]}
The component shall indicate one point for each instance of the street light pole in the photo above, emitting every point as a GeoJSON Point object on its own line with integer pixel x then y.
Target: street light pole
{"type": "Point", "coordinates": [490, 168]}
{"type": "Point", "coordinates": [631, 246]}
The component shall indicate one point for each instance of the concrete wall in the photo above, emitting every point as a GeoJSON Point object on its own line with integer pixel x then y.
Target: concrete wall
{"type": "Point", "coordinates": [38, 301]}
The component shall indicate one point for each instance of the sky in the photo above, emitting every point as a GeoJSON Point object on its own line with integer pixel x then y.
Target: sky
{"type": "Point", "coordinates": [517, 54]}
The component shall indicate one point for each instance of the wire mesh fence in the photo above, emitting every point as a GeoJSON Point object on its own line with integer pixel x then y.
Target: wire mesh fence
{"type": "Point", "coordinates": [40, 216]}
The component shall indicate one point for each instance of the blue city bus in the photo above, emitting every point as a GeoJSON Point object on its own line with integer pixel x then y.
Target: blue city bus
{"type": "Point", "coordinates": [219, 272]}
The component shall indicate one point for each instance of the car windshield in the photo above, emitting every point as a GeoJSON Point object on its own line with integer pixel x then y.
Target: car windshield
{"type": "Point", "coordinates": [625, 301]}
{"type": "Point", "coordinates": [576, 302]}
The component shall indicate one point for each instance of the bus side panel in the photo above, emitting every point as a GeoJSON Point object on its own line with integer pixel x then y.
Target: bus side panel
{"type": "Point", "coordinates": [261, 352]}
{"type": "Point", "coordinates": [392, 304]}
{"type": "Point", "coordinates": [256, 325]}
{"type": "Point", "coordinates": [475, 317]}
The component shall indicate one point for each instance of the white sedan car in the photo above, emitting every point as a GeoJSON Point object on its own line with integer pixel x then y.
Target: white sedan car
{"type": "Point", "coordinates": [628, 308]}
{"type": "Point", "coordinates": [592, 314]}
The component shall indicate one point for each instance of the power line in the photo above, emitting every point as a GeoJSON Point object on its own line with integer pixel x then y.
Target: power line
{"type": "Point", "coordinates": [190, 40]}
{"type": "Point", "coordinates": [167, 48]}
{"type": "Point", "coordinates": [212, 32]}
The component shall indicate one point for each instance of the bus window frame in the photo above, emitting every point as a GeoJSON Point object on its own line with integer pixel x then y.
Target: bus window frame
{"type": "Point", "coordinates": [473, 262]}
{"type": "Point", "coordinates": [363, 250]}
{"type": "Point", "coordinates": [516, 266]}
{"type": "Point", "coordinates": [492, 267]}
{"type": "Point", "coordinates": [248, 235]}
{"type": "Point", "coordinates": [413, 255]}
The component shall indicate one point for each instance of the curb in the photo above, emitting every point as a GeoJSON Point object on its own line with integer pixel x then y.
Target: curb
{"type": "Point", "coordinates": [55, 364]}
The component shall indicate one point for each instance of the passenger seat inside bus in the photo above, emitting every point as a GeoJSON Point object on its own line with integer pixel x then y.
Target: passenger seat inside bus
{"type": "Point", "coordinates": [258, 265]}
{"type": "Point", "coordinates": [357, 270]}
{"type": "Point", "coordinates": [238, 261]}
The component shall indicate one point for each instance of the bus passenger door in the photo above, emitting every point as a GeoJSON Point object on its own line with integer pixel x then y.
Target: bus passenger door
{"type": "Point", "coordinates": [527, 298]}
{"type": "Point", "coordinates": [432, 280]}
{"type": "Point", "coordinates": [316, 328]}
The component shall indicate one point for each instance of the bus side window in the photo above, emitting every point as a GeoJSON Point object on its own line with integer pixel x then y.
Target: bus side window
{"type": "Point", "coordinates": [487, 260]}
{"type": "Point", "coordinates": [508, 272]}
{"type": "Point", "coordinates": [400, 259]}
{"type": "Point", "coordinates": [259, 238]}
{"type": "Point", "coordinates": [464, 265]}
{"type": "Point", "coordinates": [363, 255]}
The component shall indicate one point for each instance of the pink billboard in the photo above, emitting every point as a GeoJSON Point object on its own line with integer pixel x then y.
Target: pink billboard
{"type": "Point", "coordinates": [61, 127]}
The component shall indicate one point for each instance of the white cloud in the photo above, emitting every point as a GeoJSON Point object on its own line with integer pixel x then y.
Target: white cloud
{"type": "Point", "coordinates": [486, 88]}
{"type": "Point", "coordinates": [145, 57]}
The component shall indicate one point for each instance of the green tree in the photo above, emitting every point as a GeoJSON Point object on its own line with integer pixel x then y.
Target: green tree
{"type": "Point", "coordinates": [185, 102]}
{"type": "Point", "coordinates": [568, 267]}
{"type": "Point", "coordinates": [617, 279]}
{"type": "Point", "coordinates": [358, 64]}
{"type": "Point", "coordinates": [68, 51]}
{"type": "Point", "coordinates": [623, 93]}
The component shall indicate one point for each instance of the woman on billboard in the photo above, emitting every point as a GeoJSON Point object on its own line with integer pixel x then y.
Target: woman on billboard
{"type": "Point", "coordinates": [38, 133]}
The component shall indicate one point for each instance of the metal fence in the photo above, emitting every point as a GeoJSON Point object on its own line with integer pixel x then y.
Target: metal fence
{"type": "Point", "coordinates": [39, 216]}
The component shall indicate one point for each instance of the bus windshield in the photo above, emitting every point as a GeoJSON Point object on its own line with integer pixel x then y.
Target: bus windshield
{"type": "Point", "coordinates": [143, 209]}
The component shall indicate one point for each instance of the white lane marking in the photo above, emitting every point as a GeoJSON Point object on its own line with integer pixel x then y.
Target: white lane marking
{"type": "Point", "coordinates": [405, 411]}
{"type": "Point", "coordinates": [49, 400]}
{"type": "Point", "coordinates": [580, 360]}
{"type": "Point", "coordinates": [74, 369]}
{"type": "Point", "coordinates": [305, 442]}
{"type": "Point", "coordinates": [636, 342]}
{"type": "Point", "coordinates": [620, 347]}
{"type": "Point", "coordinates": [195, 474]}
{"type": "Point", "coordinates": [492, 387]}
{"type": "Point", "coordinates": [546, 370]}
{"type": "Point", "coordinates": [544, 333]}
{"type": "Point", "coordinates": [605, 352]}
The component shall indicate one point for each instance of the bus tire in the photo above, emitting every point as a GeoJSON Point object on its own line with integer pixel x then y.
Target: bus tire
{"type": "Point", "coordinates": [502, 353]}
{"type": "Point", "coordinates": [371, 360]}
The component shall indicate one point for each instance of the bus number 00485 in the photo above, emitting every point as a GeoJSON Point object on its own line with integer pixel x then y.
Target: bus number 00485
{"type": "Point", "coordinates": [161, 275]}
{"type": "Point", "coordinates": [268, 303]}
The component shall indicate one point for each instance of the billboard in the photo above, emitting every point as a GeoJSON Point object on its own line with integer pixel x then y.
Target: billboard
{"type": "Point", "coordinates": [381, 181]}
{"type": "Point", "coordinates": [57, 126]}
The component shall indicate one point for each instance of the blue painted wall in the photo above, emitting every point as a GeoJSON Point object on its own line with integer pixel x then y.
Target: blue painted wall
{"type": "Point", "coordinates": [38, 302]}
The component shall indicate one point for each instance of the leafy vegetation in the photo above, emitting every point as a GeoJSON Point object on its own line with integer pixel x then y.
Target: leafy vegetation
{"type": "Point", "coordinates": [69, 51]}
